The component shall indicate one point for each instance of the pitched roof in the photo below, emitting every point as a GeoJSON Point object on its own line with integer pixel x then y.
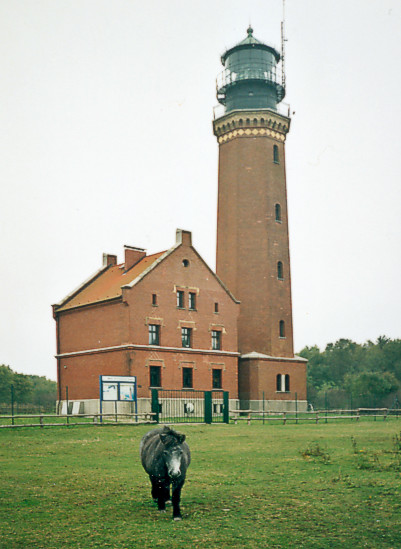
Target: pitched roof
{"type": "Point", "coordinates": [106, 284]}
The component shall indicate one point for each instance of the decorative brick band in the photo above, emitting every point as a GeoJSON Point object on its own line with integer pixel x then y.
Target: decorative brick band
{"type": "Point", "coordinates": [260, 123]}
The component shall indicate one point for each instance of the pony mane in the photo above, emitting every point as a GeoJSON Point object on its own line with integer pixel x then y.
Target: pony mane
{"type": "Point", "coordinates": [173, 436]}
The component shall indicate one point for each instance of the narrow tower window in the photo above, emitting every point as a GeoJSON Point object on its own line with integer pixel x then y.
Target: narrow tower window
{"type": "Point", "coordinates": [278, 382]}
{"type": "Point", "coordinates": [282, 328]}
{"type": "Point", "coordinates": [280, 271]}
{"type": "Point", "coordinates": [276, 159]}
{"type": "Point", "coordinates": [277, 211]}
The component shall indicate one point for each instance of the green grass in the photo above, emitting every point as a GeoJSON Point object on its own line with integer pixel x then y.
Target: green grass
{"type": "Point", "coordinates": [258, 486]}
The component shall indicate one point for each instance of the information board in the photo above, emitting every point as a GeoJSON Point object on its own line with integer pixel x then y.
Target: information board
{"type": "Point", "coordinates": [118, 389]}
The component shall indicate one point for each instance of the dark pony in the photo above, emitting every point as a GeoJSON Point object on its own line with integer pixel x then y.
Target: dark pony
{"type": "Point", "coordinates": [165, 457]}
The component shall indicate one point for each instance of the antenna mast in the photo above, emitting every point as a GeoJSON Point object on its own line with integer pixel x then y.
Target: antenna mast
{"type": "Point", "coordinates": [283, 40]}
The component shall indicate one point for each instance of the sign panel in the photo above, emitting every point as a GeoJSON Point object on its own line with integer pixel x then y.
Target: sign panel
{"type": "Point", "coordinates": [116, 388]}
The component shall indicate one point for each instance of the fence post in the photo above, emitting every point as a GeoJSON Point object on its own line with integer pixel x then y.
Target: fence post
{"type": "Point", "coordinates": [12, 404]}
{"type": "Point", "coordinates": [208, 407]}
{"type": "Point", "coordinates": [296, 408]}
{"type": "Point", "coordinates": [226, 411]}
{"type": "Point", "coordinates": [263, 416]}
{"type": "Point", "coordinates": [66, 398]}
{"type": "Point", "coordinates": [155, 404]}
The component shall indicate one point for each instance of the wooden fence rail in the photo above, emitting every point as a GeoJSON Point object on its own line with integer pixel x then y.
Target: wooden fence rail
{"type": "Point", "coordinates": [316, 415]}
{"type": "Point", "coordinates": [97, 419]}
{"type": "Point", "coordinates": [235, 415]}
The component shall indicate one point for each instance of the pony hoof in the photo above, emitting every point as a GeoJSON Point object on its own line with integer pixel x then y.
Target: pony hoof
{"type": "Point", "coordinates": [177, 518]}
{"type": "Point", "coordinates": [169, 502]}
{"type": "Point", "coordinates": [162, 510]}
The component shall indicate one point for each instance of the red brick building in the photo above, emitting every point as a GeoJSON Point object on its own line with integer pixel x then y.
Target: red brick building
{"type": "Point", "coordinates": [165, 318]}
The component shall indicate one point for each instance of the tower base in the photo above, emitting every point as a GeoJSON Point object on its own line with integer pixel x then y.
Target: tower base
{"type": "Point", "coordinates": [272, 383]}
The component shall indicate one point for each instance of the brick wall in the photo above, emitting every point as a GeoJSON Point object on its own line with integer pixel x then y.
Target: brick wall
{"type": "Point", "coordinates": [250, 242]}
{"type": "Point", "coordinates": [258, 376]}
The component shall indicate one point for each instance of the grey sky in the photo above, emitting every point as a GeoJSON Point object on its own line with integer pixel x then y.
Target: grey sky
{"type": "Point", "coordinates": [106, 140]}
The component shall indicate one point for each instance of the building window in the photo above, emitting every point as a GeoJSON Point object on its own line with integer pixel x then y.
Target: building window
{"type": "Point", "coordinates": [277, 211]}
{"type": "Point", "coordinates": [283, 383]}
{"type": "Point", "coordinates": [180, 299]}
{"type": "Point", "coordinates": [216, 340]}
{"type": "Point", "coordinates": [192, 301]}
{"type": "Point", "coordinates": [187, 378]}
{"type": "Point", "coordinates": [282, 328]}
{"type": "Point", "coordinates": [276, 159]}
{"type": "Point", "coordinates": [280, 271]}
{"type": "Point", "coordinates": [287, 383]}
{"type": "Point", "coordinates": [216, 380]}
{"type": "Point", "coordinates": [216, 307]}
{"type": "Point", "coordinates": [186, 337]}
{"type": "Point", "coordinates": [155, 376]}
{"type": "Point", "coordinates": [154, 334]}
{"type": "Point", "coordinates": [185, 262]}
{"type": "Point", "coordinates": [154, 299]}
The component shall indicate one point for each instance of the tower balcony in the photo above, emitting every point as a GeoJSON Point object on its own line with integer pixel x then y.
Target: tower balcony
{"type": "Point", "coordinates": [262, 82]}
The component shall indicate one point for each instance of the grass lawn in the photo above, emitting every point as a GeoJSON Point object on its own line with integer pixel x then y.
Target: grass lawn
{"type": "Point", "coordinates": [267, 486]}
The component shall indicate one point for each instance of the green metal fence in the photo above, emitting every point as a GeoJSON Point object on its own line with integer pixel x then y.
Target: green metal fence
{"type": "Point", "coordinates": [190, 406]}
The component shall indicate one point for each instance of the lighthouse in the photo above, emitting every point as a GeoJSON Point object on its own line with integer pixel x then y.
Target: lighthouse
{"type": "Point", "coordinates": [252, 257]}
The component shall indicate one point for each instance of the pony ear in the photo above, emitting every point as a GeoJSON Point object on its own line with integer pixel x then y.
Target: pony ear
{"type": "Point", "coordinates": [181, 439]}
{"type": "Point", "coordinates": [163, 438]}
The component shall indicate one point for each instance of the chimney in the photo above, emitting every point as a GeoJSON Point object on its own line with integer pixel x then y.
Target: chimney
{"type": "Point", "coordinates": [133, 256]}
{"type": "Point", "coordinates": [183, 237]}
{"type": "Point", "coordinates": [109, 259]}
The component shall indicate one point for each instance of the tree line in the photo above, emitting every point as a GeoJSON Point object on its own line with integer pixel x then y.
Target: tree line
{"type": "Point", "coordinates": [349, 374]}
{"type": "Point", "coordinates": [26, 390]}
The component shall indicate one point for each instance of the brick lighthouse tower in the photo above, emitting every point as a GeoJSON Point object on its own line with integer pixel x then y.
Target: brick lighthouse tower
{"type": "Point", "coordinates": [253, 257]}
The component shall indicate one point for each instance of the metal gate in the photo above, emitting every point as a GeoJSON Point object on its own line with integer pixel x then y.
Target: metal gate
{"type": "Point", "coordinates": [190, 406]}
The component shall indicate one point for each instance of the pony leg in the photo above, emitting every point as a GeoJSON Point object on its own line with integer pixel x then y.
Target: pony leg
{"type": "Point", "coordinates": [166, 492]}
{"type": "Point", "coordinates": [155, 489]}
{"type": "Point", "coordinates": [161, 497]}
{"type": "Point", "coordinates": [176, 500]}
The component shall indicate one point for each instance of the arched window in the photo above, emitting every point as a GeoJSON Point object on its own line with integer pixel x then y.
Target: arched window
{"type": "Point", "coordinates": [282, 328]}
{"type": "Point", "coordinates": [280, 271]}
{"type": "Point", "coordinates": [278, 382]}
{"type": "Point", "coordinates": [277, 212]}
{"type": "Point", "coordinates": [276, 159]}
{"type": "Point", "coordinates": [287, 383]}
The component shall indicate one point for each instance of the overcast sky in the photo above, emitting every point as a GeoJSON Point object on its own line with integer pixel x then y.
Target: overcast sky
{"type": "Point", "coordinates": [106, 139]}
